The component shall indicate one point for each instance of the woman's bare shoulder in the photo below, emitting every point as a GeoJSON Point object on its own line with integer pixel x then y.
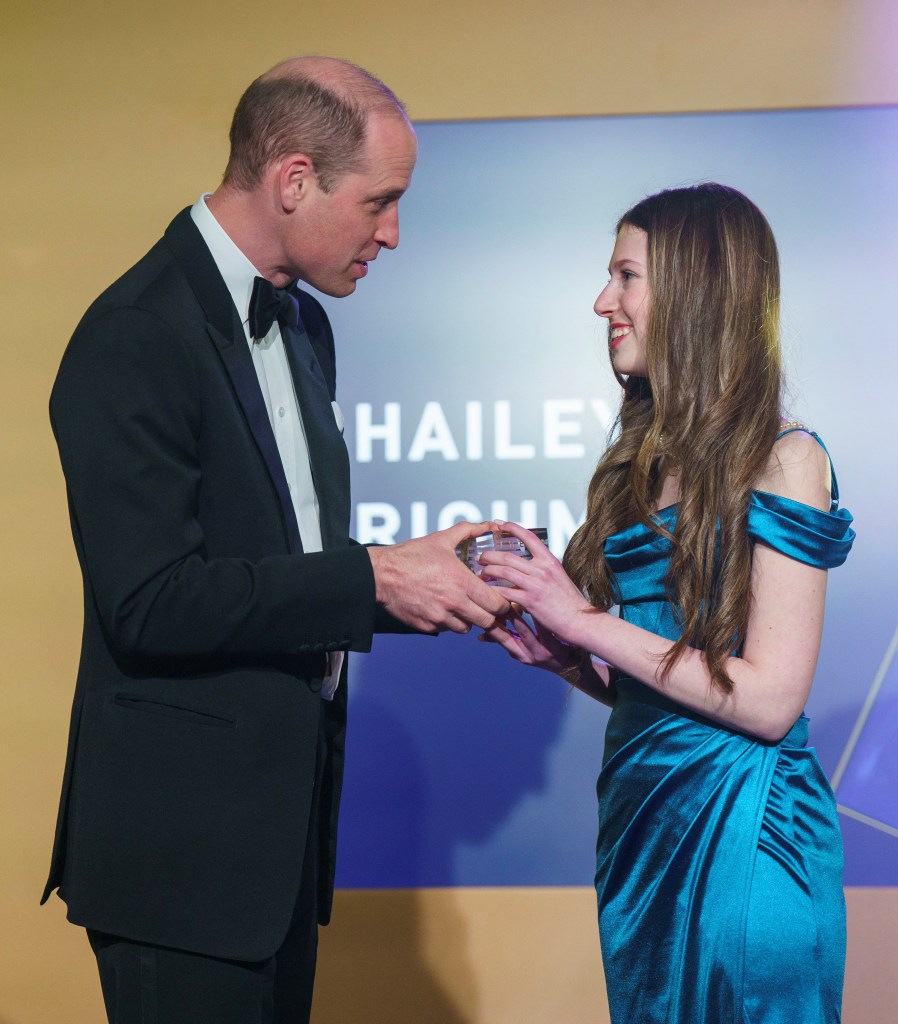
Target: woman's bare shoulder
{"type": "Point", "coordinates": [798, 468]}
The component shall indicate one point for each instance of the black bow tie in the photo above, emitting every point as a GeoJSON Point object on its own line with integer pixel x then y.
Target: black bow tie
{"type": "Point", "coordinates": [268, 304]}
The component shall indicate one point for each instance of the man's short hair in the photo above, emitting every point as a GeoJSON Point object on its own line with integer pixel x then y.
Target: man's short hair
{"type": "Point", "coordinates": [281, 114]}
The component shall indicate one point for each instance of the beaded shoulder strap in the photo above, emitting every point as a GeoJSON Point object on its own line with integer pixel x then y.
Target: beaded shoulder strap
{"type": "Point", "coordinates": [787, 428]}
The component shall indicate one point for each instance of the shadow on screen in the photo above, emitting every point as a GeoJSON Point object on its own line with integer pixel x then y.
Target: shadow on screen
{"type": "Point", "coordinates": [446, 737]}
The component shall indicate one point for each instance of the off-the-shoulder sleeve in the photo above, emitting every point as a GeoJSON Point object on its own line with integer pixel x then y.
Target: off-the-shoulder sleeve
{"type": "Point", "coordinates": [821, 539]}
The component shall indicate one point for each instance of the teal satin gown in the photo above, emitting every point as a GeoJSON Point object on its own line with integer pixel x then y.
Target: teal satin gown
{"type": "Point", "coordinates": [719, 858]}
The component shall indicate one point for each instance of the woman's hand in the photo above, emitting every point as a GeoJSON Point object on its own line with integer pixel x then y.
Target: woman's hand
{"type": "Point", "coordinates": [539, 585]}
{"type": "Point", "coordinates": [540, 648]}
{"type": "Point", "coordinates": [535, 646]}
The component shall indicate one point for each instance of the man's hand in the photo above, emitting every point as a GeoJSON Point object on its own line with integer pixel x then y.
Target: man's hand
{"type": "Point", "coordinates": [423, 583]}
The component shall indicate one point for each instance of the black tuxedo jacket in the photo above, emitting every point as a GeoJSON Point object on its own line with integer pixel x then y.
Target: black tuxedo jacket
{"type": "Point", "coordinates": [197, 717]}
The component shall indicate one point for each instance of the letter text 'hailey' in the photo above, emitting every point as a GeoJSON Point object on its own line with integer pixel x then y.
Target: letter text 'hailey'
{"type": "Point", "coordinates": [566, 426]}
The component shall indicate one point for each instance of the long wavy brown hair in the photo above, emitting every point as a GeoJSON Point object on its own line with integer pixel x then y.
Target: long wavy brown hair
{"type": "Point", "coordinates": [708, 411]}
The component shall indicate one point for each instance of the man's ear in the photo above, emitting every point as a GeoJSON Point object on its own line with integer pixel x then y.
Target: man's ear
{"type": "Point", "coordinates": [295, 177]}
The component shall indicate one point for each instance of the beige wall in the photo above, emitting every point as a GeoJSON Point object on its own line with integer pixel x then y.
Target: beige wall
{"type": "Point", "coordinates": [115, 116]}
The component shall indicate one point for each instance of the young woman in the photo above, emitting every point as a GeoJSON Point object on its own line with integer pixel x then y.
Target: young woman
{"type": "Point", "coordinates": [710, 523]}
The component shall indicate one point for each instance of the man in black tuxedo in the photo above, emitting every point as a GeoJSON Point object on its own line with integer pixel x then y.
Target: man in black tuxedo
{"type": "Point", "coordinates": [208, 489]}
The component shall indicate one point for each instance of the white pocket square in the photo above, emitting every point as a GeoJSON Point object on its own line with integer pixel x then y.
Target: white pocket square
{"type": "Point", "coordinates": [338, 416]}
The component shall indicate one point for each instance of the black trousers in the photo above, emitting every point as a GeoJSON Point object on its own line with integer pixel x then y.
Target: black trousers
{"type": "Point", "coordinates": [145, 984]}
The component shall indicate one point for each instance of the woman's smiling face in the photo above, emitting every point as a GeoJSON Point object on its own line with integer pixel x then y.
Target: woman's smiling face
{"type": "Point", "coordinates": [625, 301]}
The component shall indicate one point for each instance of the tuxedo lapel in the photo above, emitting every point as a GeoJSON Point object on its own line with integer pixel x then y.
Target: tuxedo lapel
{"type": "Point", "coordinates": [327, 451]}
{"type": "Point", "coordinates": [239, 364]}
{"type": "Point", "coordinates": [226, 331]}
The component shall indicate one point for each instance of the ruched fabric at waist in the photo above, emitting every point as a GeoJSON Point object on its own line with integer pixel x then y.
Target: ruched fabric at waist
{"type": "Point", "coordinates": [639, 707]}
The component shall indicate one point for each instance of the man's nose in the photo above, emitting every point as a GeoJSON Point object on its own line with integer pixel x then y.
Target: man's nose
{"type": "Point", "coordinates": [388, 229]}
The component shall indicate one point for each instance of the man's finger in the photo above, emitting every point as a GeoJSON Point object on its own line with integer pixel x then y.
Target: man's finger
{"type": "Point", "coordinates": [478, 617]}
{"type": "Point", "coordinates": [488, 598]}
{"type": "Point", "coordinates": [457, 625]}
{"type": "Point", "coordinates": [462, 531]}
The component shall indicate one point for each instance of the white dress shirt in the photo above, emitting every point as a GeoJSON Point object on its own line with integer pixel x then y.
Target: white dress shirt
{"type": "Point", "coordinates": [276, 384]}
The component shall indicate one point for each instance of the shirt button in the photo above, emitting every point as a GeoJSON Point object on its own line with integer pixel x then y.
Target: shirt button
{"type": "Point", "coordinates": [282, 412]}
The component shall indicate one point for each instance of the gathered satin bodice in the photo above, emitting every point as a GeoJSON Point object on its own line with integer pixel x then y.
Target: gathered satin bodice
{"type": "Point", "coordinates": [639, 558]}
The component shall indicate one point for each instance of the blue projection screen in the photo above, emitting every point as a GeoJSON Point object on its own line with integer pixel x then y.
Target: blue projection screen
{"type": "Point", "coordinates": [474, 380]}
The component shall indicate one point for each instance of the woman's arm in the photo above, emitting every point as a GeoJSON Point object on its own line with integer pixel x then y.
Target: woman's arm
{"type": "Point", "coordinates": [774, 675]}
